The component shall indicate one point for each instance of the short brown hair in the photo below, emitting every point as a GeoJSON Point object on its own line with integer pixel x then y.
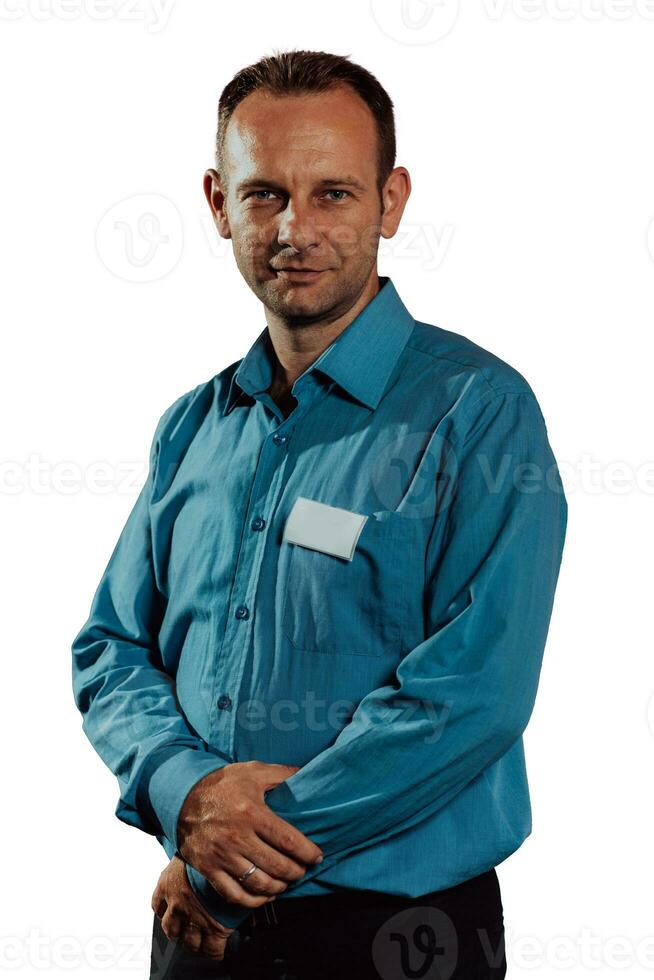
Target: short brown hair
{"type": "Point", "coordinates": [299, 72]}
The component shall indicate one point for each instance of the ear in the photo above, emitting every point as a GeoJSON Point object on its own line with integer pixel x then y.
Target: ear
{"type": "Point", "coordinates": [395, 194]}
{"type": "Point", "coordinates": [215, 196]}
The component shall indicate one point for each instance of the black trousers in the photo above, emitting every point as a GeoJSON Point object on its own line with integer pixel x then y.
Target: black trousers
{"type": "Point", "coordinates": [453, 934]}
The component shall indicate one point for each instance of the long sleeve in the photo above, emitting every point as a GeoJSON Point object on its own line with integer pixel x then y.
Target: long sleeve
{"type": "Point", "coordinates": [465, 694]}
{"type": "Point", "coordinates": [130, 712]}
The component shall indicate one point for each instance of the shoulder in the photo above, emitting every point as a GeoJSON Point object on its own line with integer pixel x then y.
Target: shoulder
{"type": "Point", "coordinates": [468, 380]}
{"type": "Point", "coordinates": [455, 358]}
{"type": "Point", "coordinates": [189, 409]}
{"type": "Point", "coordinates": [180, 422]}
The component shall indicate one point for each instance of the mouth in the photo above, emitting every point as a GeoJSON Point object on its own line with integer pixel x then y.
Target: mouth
{"type": "Point", "coordinates": [300, 275]}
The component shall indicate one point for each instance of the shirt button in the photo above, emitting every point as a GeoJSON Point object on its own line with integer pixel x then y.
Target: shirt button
{"type": "Point", "coordinates": [279, 438]}
{"type": "Point", "coordinates": [242, 612]}
{"type": "Point", "coordinates": [224, 701]}
{"type": "Point", "coordinates": [258, 524]}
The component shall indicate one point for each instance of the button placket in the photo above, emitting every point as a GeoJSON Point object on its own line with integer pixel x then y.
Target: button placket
{"type": "Point", "coordinates": [267, 487]}
{"type": "Point", "coordinates": [233, 655]}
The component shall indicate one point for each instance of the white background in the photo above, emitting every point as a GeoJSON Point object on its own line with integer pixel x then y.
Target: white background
{"type": "Point", "coordinates": [527, 130]}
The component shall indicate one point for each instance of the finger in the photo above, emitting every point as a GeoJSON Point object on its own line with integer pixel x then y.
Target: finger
{"type": "Point", "coordinates": [259, 882]}
{"type": "Point", "coordinates": [192, 936]}
{"type": "Point", "coordinates": [211, 928]}
{"type": "Point", "coordinates": [159, 907]}
{"type": "Point", "coordinates": [155, 901]}
{"type": "Point", "coordinates": [172, 923]}
{"type": "Point", "coordinates": [271, 774]}
{"type": "Point", "coordinates": [276, 865]}
{"type": "Point", "coordinates": [284, 837]}
{"type": "Point", "coordinates": [213, 945]}
{"type": "Point", "coordinates": [232, 891]}
{"type": "Point", "coordinates": [229, 889]}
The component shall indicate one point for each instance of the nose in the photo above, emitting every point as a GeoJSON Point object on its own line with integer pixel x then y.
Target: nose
{"type": "Point", "coordinates": [297, 227]}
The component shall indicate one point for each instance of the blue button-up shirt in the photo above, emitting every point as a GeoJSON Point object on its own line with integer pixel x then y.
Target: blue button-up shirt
{"type": "Point", "coordinates": [401, 679]}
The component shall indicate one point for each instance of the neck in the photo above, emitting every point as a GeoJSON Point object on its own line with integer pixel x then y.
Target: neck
{"type": "Point", "coordinates": [297, 347]}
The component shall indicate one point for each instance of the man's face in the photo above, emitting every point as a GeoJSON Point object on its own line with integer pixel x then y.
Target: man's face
{"type": "Point", "coordinates": [301, 174]}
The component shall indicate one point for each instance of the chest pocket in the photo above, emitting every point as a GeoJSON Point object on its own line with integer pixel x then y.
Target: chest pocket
{"type": "Point", "coordinates": [358, 607]}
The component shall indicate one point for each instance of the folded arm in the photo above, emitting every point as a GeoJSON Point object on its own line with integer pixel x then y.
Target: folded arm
{"type": "Point", "coordinates": [464, 695]}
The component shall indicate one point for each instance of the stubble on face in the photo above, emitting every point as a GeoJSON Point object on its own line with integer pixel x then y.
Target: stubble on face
{"type": "Point", "coordinates": [289, 146]}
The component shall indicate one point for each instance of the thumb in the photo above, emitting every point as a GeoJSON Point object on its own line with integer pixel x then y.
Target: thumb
{"type": "Point", "coordinates": [275, 773]}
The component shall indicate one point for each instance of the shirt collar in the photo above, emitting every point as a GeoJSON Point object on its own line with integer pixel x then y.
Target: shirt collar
{"type": "Point", "coordinates": [360, 360]}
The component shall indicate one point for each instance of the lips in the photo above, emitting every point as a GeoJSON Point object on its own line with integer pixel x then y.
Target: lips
{"type": "Point", "coordinates": [299, 275]}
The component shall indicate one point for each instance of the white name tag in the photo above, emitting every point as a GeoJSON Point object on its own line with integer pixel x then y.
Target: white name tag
{"type": "Point", "coordinates": [333, 530]}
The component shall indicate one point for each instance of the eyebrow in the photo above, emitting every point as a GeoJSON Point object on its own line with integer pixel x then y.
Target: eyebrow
{"type": "Point", "coordinates": [324, 182]}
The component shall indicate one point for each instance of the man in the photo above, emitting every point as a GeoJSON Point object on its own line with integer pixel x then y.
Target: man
{"type": "Point", "coordinates": [317, 643]}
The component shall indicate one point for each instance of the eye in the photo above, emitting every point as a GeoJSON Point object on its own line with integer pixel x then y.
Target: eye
{"type": "Point", "coordinates": [254, 194]}
{"type": "Point", "coordinates": [338, 190]}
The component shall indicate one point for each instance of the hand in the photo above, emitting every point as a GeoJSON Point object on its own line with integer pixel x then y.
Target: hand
{"type": "Point", "coordinates": [183, 918]}
{"type": "Point", "coordinates": [225, 827]}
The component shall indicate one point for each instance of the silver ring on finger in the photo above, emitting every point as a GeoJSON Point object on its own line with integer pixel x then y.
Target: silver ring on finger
{"type": "Point", "coordinates": [246, 874]}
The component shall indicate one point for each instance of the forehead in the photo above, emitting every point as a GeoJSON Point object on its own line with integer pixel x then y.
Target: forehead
{"type": "Point", "coordinates": [314, 131]}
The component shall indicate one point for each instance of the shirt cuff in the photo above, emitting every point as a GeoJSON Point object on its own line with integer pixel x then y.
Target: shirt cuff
{"type": "Point", "coordinates": [170, 778]}
{"type": "Point", "coordinates": [229, 914]}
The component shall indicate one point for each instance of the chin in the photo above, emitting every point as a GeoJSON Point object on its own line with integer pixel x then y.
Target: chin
{"type": "Point", "coordinates": [299, 308]}
{"type": "Point", "coordinates": [291, 298]}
